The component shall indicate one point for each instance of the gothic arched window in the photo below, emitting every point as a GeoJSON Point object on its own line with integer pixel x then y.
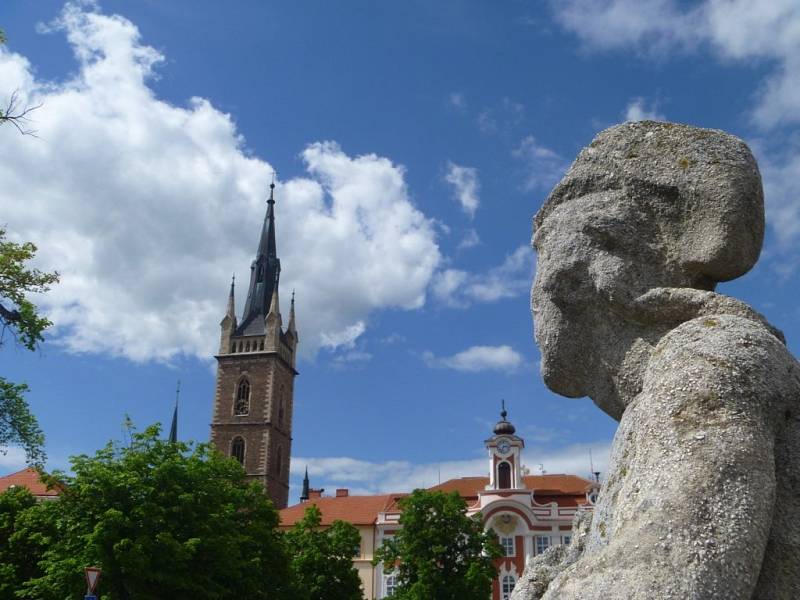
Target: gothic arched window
{"type": "Point", "coordinates": [504, 476]}
{"type": "Point", "coordinates": [278, 460]}
{"type": "Point", "coordinates": [241, 406]}
{"type": "Point", "coordinates": [237, 449]}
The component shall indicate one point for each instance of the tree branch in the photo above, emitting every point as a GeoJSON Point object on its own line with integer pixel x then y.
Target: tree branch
{"type": "Point", "coordinates": [18, 117]}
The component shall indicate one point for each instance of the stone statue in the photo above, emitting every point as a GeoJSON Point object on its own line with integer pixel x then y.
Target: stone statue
{"type": "Point", "coordinates": [702, 498]}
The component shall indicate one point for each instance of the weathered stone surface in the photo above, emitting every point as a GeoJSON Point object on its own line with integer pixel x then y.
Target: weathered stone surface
{"type": "Point", "coordinates": [704, 481]}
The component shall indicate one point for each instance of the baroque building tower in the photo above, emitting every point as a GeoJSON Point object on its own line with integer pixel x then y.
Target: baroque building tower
{"type": "Point", "coordinates": [253, 403]}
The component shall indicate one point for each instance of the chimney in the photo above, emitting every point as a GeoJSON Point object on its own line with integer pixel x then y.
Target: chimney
{"type": "Point", "coordinates": [312, 493]}
{"type": "Point", "coordinates": [342, 493]}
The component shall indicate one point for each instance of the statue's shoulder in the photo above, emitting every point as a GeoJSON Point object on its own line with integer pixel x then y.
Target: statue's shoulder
{"type": "Point", "coordinates": [731, 353]}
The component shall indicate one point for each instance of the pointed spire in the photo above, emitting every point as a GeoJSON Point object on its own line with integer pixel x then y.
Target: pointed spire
{"type": "Point", "coordinates": [292, 327]}
{"type": "Point", "coordinates": [231, 312]}
{"type": "Point", "coordinates": [263, 275]}
{"type": "Point", "coordinates": [173, 430]}
{"type": "Point", "coordinates": [267, 244]}
{"type": "Point", "coordinates": [304, 493]}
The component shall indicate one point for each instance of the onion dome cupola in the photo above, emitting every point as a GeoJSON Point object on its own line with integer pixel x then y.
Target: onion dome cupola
{"type": "Point", "coordinates": [503, 426]}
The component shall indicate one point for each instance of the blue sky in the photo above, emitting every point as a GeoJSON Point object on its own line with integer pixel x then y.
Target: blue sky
{"type": "Point", "coordinates": [413, 143]}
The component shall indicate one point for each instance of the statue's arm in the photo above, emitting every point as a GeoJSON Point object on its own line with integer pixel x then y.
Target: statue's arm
{"type": "Point", "coordinates": [687, 508]}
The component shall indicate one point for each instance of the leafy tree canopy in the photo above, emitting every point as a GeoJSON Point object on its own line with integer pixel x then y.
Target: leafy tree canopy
{"type": "Point", "coordinates": [23, 533]}
{"type": "Point", "coordinates": [322, 559]}
{"type": "Point", "coordinates": [162, 520]}
{"type": "Point", "coordinates": [440, 552]}
{"type": "Point", "coordinates": [17, 424]}
{"type": "Point", "coordinates": [17, 281]}
{"type": "Point", "coordinates": [19, 315]}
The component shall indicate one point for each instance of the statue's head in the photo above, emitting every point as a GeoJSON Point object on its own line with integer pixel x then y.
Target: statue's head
{"type": "Point", "coordinates": [646, 205]}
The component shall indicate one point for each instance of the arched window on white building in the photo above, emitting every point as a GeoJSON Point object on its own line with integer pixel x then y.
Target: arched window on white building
{"type": "Point", "coordinates": [507, 586]}
{"type": "Point", "coordinates": [389, 585]}
{"type": "Point", "coordinates": [503, 476]}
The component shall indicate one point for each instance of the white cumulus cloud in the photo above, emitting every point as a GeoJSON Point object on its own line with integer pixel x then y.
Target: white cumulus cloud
{"type": "Point", "coordinates": [638, 110]}
{"type": "Point", "coordinates": [478, 358]}
{"type": "Point", "coordinates": [512, 278]}
{"type": "Point", "coordinates": [543, 167]}
{"type": "Point", "coordinates": [145, 208]}
{"type": "Point", "coordinates": [470, 240]}
{"type": "Point", "coordinates": [739, 30]}
{"type": "Point", "coordinates": [465, 186]}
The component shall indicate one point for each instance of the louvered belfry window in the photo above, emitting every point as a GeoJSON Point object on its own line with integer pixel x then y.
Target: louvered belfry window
{"type": "Point", "coordinates": [242, 405]}
{"type": "Point", "coordinates": [237, 449]}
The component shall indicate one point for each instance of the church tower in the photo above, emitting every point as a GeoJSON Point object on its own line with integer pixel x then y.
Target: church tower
{"type": "Point", "coordinates": [254, 399]}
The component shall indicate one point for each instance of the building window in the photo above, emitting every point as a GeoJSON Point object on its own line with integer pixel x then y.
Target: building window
{"type": "Point", "coordinates": [507, 544]}
{"type": "Point", "coordinates": [504, 476]}
{"type": "Point", "coordinates": [237, 449]}
{"type": "Point", "coordinates": [389, 585]}
{"type": "Point", "coordinates": [507, 586]}
{"type": "Point", "coordinates": [357, 550]}
{"type": "Point", "coordinates": [566, 540]}
{"type": "Point", "coordinates": [278, 460]}
{"type": "Point", "coordinates": [241, 407]}
{"type": "Point", "coordinates": [542, 543]}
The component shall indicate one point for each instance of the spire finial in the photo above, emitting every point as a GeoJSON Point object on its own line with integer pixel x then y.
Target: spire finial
{"type": "Point", "coordinates": [503, 412]}
{"type": "Point", "coordinates": [272, 188]}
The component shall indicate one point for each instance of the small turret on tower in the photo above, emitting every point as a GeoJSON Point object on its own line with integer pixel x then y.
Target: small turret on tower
{"type": "Point", "coordinates": [228, 323]}
{"type": "Point", "coordinates": [273, 323]}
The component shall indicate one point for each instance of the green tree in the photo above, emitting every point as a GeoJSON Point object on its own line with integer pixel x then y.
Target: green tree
{"type": "Point", "coordinates": [162, 520]}
{"type": "Point", "coordinates": [18, 313]}
{"type": "Point", "coordinates": [440, 552]}
{"type": "Point", "coordinates": [20, 317]}
{"type": "Point", "coordinates": [322, 559]}
{"type": "Point", "coordinates": [25, 532]}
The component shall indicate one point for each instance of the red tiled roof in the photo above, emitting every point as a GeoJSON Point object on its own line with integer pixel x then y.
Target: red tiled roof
{"type": "Point", "coordinates": [358, 510]}
{"type": "Point", "coordinates": [544, 485]}
{"type": "Point", "coordinates": [558, 484]}
{"type": "Point", "coordinates": [565, 490]}
{"type": "Point", "coordinates": [30, 479]}
{"type": "Point", "coordinates": [467, 487]}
